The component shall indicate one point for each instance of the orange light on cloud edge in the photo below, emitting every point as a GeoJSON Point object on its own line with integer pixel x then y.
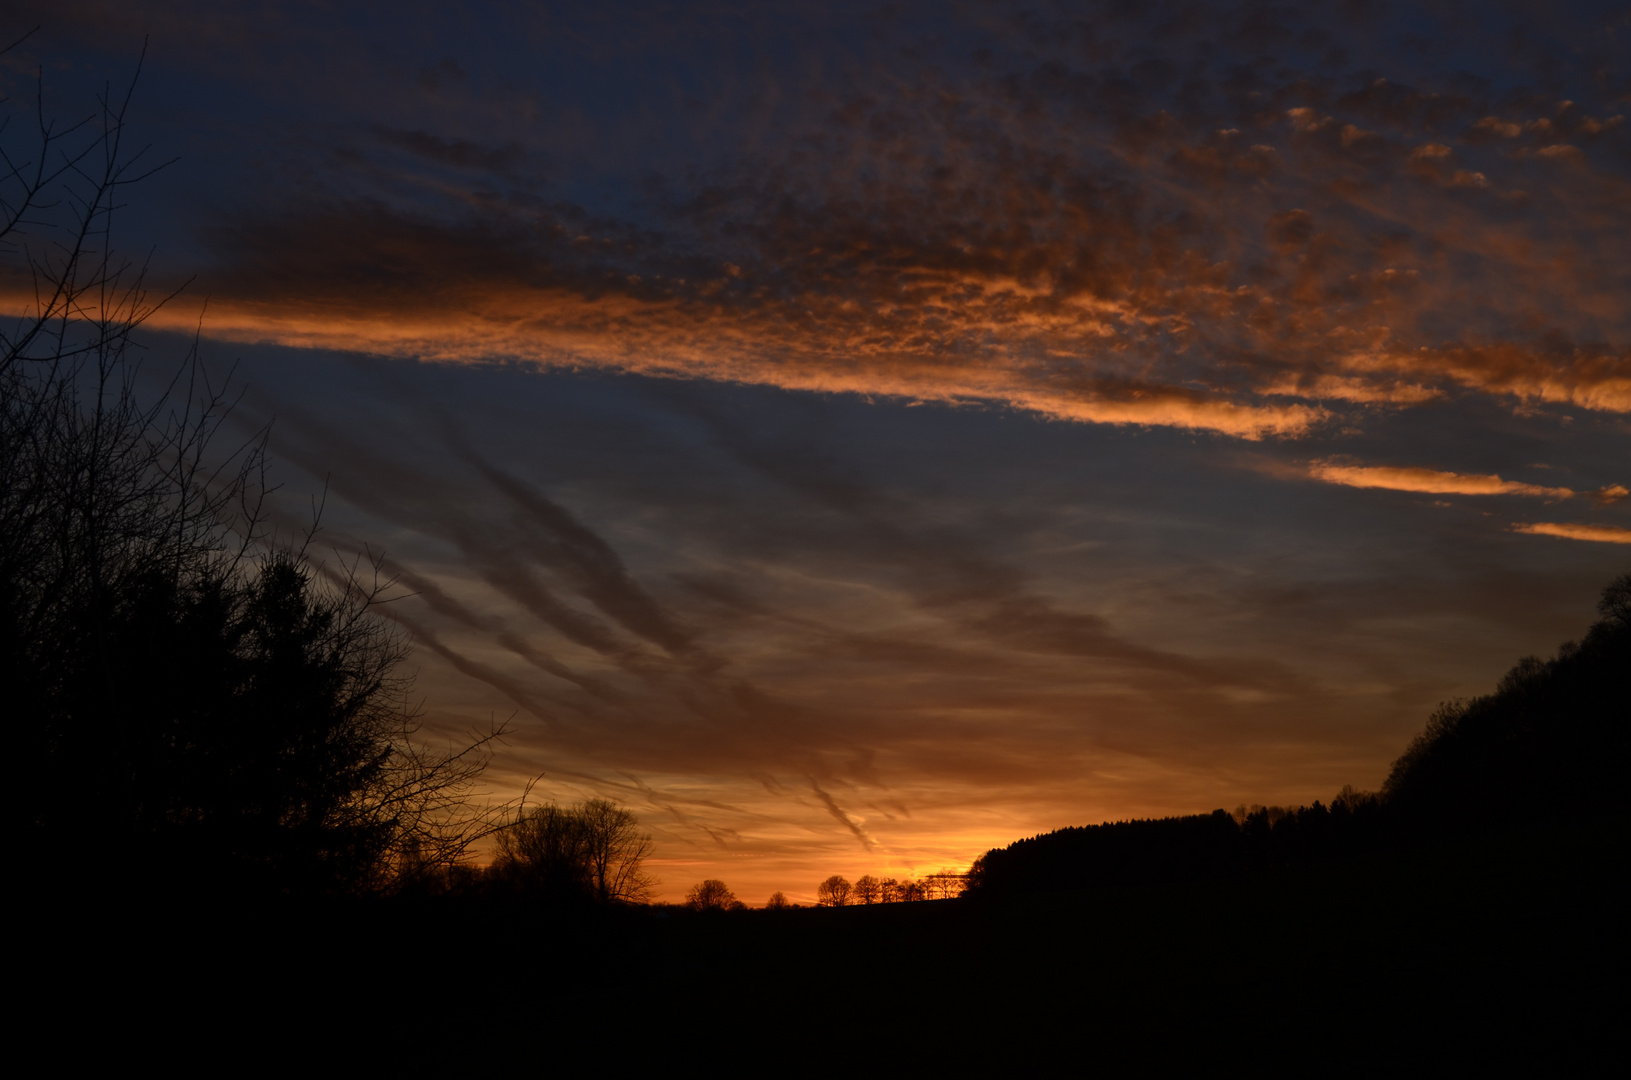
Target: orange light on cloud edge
{"type": "Point", "coordinates": [627, 338]}
{"type": "Point", "coordinates": [1056, 375]}
{"type": "Point", "coordinates": [1435, 482]}
{"type": "Point", "coordinates": [1602, 534]}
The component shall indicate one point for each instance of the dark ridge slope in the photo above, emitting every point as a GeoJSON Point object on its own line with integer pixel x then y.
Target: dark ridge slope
{"type": "Point", "coordinates": [1548, 749]}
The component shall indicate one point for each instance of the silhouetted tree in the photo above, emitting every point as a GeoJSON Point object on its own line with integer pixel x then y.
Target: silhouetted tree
{"type": "Point", "coordinates": [867, 890]}
{"type": "Point", "coordinates": [710, 895]}
{"type": "Point", "coordinates": [834, 892]}
{"type": "Point", "coordinates": [591, 851]}
{"type": "Point", "coordinates": [777, 901]}
{"type": "Point", "coordinates": [544, 853]}
{"type": "Point", "coordinates": [1351, 800]}
{"type": "Point", "coordinates": [616, 851]}
{"type": "Point", "coordinates": [212, 710]}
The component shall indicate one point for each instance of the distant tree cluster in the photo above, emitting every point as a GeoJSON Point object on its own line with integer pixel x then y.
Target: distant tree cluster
{"type": "Point", "coordinates": [1168, 850]}
{"type": "Point", "coordinates": [837, 891]}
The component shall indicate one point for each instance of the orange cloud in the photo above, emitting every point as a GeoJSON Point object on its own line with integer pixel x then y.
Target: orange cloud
{"type": "Point", "coordinates": [1347, 388]}
{"type": "Point", "coordinates": [1055, 364]}
{"type": "Point", "coordinates": [1428, 481]}
{"type": "Point", "coordinates": [1066, 244]}
{"type": "Point", "coordinates": [1602, 534]}
{"type": "Point", "coordinates": [1590, 376]}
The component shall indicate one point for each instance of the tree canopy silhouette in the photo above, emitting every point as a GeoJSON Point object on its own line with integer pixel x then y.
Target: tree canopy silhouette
{"type": "Point", "coordinates": [194, 705]}
{"type": "Point", "coordinates": [834, 892]}
{"type": "Point", "coordinates": [594, 850]}
{"type": "Point", "coordinates": [711, 895]}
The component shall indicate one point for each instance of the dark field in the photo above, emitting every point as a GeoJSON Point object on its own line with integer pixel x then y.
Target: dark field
{"type": "Point", "coordinates": [1493, 954]}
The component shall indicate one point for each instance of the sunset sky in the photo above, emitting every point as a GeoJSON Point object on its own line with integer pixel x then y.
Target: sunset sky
{"type": "Point", "coordinates": [853, 436]}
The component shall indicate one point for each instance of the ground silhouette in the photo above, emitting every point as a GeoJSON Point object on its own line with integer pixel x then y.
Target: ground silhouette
{"type": "Point", "coordinates": [1547, 750]}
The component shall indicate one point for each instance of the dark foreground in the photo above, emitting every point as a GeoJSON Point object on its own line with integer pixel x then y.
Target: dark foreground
{"type": "Point", "coordinates": [1493, 954]}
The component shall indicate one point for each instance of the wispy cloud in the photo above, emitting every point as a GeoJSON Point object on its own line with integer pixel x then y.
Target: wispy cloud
{"type": "Point", "coordinates": [838, 813]}
{"type": "Point", "coordinates": [1601, 534]}
{"type": "Point", "coordinates": [1436, 482]}
{"type": "Point", "coordinates": [703, 589]}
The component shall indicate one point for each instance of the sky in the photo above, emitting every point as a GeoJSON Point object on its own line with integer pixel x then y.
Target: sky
{"type": "Point", "coordinates": [854, 436]}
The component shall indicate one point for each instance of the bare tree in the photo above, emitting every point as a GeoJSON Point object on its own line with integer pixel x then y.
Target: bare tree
{"type": "Point", "coordinates": [616, 851]}
{"type": "Point", "coordinates": [868, 889]}
{"type": "Point", "coordinates": [594, 849]}
{"type": "Point", "coordinates": [544, 851]}
{"type": "Point", "coordinates": [60, 184]}
{"type": "Point", "coordinates": [834, 892]}
{"type": "Point", "coordinates": [777, 901]}
{"type": "Point", "coordinates": [944, 884]}
{"type": "Point", "coordinates": [710, 895]}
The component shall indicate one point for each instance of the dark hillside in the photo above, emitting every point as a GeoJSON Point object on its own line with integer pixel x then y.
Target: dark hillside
{"type": "Point", "coordinates": [1547, 750]}
{"type": "Point", "coordinates": [1552, 742]}
{"type": "Point", "coordinates": [1201, 847]}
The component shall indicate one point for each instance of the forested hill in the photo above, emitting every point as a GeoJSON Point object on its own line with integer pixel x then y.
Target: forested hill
{"type": "Point", "coordinates": [1552, 741]}
{"type": "Point", "coordinates": [1550, 746]}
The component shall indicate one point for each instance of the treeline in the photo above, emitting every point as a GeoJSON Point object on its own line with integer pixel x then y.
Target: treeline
{"type": "Point", "coordinates": [1548, 747]}
{"type": "Point", "coordinates": [1179, 849]}
{"type": "Point", "coordinates": [838, 891]}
